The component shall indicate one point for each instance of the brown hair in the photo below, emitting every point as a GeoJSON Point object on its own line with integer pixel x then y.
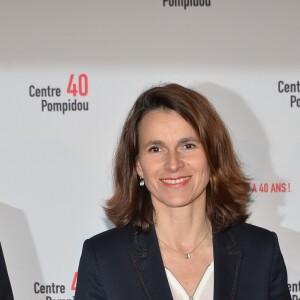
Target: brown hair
{"type": "Point", "coordinates": [228, 190]}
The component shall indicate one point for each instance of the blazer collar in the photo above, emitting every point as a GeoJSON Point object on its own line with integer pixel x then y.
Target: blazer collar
{"type": "Point", "coordinates": [148, 263]}
{"type": "Point", "coordinates": [227, 264]}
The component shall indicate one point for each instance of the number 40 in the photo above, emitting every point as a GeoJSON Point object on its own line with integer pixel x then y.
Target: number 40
{"type": "Point", "coordinates": [81, 87]}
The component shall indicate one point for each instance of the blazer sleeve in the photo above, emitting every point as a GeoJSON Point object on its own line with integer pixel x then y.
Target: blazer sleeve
{"type": "Point", "coordinates": [5, 287]}
{"type": "Point", "coordinates": [278, 285]}
{"type": "Point", "coordinates": [88, 285]}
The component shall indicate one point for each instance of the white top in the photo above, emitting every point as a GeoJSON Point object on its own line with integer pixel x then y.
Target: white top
{"type": "Point", "coordinates": [204, 290]}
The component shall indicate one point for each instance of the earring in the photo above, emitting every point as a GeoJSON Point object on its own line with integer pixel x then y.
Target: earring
{"type": "Point", "coordinates": [142, 182]}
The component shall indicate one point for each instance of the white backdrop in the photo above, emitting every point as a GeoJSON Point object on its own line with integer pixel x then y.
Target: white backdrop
{"type": "Point", "coordinates": [55, 167]}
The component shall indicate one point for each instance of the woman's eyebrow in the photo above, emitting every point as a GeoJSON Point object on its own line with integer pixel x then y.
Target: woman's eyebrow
{"type": "Point", "coordinates": [180, 141]}
{"type": "Point", "coordinates": [189, 139]}
{"type": "Point", "coordinates": [154, 142]}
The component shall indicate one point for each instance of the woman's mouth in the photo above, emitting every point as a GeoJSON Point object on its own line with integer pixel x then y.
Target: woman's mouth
{"type": "Point", "coordinates": [175, 182]}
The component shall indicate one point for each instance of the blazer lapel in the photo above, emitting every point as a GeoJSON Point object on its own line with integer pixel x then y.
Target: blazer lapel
{"type": "Point", "coordinates": [149, 266]}
{"type": "Point", "coordinates": [227, 262]}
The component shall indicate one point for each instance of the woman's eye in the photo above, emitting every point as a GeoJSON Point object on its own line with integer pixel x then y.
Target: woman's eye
{"type": "Point", "coordinates": [154, 149]}
{"type": "Point", "coordinates": [189, 146]}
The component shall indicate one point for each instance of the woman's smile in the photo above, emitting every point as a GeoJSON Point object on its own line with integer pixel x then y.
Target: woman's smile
{"type": "Point", "coordinates": [176, 182]}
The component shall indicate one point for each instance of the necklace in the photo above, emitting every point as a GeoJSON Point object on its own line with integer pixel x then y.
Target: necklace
{"type": "Point", "coordinates": [187, 255]}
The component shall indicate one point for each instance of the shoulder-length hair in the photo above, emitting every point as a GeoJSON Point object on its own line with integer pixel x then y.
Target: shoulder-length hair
{"type": "Point", "coordinates": [228, 191]}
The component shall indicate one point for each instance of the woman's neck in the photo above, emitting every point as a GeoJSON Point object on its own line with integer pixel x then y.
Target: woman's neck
{"type": "Point", "coordinates": [181, 227]}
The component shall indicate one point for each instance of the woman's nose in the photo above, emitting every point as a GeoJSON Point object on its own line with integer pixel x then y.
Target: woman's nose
{"type": "Point", "coordinates": [173, 161]}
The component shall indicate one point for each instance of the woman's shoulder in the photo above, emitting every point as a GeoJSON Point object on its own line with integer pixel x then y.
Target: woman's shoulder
{"type": "Point", "coordinates": [251, 229]}
{"type": "Point", "coordinates": [111, 238]}
{"type": "Point", "coordinates": [111, 245]}
{"type": "Point", "coordinates": [247, 234]}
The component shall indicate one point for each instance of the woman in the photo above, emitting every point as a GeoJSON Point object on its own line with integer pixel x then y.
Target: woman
{"type": "Point", "coordinates": [180, 207]}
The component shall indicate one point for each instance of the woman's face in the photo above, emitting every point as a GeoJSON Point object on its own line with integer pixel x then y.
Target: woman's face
{"type": "Point", "coordinates": [171, 159]}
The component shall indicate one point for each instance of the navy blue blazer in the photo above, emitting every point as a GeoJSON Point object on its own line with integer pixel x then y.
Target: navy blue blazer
{"type": "Point", "coordinates": [119, 265]}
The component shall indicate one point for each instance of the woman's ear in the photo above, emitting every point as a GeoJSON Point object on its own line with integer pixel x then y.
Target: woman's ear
{"type": "Point", "coordinates": [139, 169]}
